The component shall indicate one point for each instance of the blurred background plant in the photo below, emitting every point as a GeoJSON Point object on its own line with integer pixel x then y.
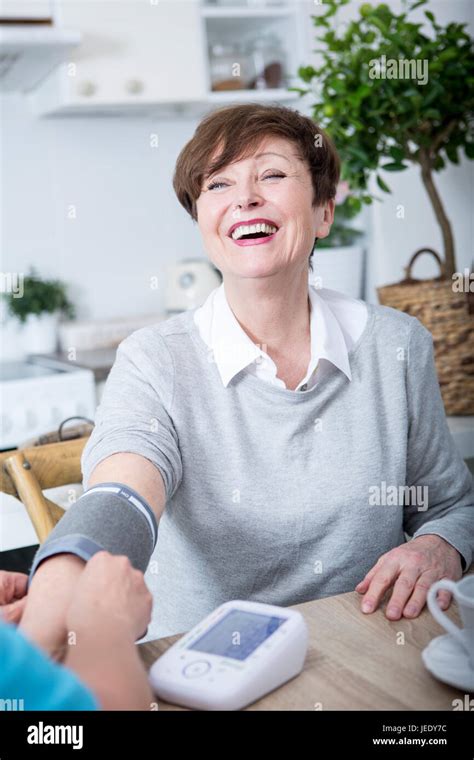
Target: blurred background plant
{"type": "Point", "coordinates": [40, 296]}
{"type": "Point", "coordinates": [388, 123]}
{"type": "Point", "coordinates": [342, 234]}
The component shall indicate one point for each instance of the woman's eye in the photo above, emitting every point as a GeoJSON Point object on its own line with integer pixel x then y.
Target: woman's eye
{"type": "Point", "coordinates": [213, 185]}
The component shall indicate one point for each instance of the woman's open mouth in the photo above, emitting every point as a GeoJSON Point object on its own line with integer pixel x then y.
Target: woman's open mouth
{"type": "Point", "coordinates": [253, 234]}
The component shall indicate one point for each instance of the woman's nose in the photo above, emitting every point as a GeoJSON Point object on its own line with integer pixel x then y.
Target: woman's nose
{"type": "Point", "coordinates": [247, 200]}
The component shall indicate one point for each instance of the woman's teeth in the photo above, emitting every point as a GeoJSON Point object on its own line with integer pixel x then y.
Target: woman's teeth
{"type": "Point", "coordinates": [251, 229]}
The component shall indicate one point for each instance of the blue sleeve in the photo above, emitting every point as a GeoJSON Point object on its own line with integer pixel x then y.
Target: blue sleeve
{"type": "Point", "coordinates": [30, 681]}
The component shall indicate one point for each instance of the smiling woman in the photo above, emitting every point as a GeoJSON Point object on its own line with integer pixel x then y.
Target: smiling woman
{"type": "Point", "coordinates": [281, 144]}
{"type": "Point", "coordinates": [238, 446]}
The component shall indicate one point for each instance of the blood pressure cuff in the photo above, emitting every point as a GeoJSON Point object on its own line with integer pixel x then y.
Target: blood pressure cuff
{"type": "Point", "coordinates": [109, 516]}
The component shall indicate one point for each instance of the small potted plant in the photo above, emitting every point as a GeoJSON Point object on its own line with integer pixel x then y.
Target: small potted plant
{"type": "Point", "coordinates": [339, 258]}
{"type": "Point", "coordinates": [37, 310]}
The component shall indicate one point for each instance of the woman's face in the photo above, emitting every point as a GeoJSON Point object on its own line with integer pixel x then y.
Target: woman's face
{"type": "Point", "coordinates": [274, 185]}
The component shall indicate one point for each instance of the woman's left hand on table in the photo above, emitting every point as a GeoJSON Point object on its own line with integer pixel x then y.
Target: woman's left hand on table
{"type": "Point", "coordinates": [411, 569]}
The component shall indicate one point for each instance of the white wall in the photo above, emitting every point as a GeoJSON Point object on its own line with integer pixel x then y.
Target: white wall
{"type": "Point", "coordinates": [129, 225]}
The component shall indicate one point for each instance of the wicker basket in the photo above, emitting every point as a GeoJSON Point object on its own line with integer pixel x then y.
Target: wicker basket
{"type": "Point", "coordinates": [449, 316]}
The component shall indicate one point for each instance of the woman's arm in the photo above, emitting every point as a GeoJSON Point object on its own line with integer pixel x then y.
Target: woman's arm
{"type": "Point", "coordinates": [133, 443]}
{"type": "Point", "coordinates": [439, 505]}
{"type": "Point", "coordinates": [441, 486]}
{"type": "Point", "coordinates": [44, 616]}
{"type": "Point", "coordinates": [53, 584]}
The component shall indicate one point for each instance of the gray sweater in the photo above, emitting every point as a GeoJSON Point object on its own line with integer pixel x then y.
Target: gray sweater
{"type": "Point", "coordinates": [276, 495]}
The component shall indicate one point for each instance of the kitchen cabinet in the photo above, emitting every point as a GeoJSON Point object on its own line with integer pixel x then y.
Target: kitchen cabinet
{"type": "Point", "coordinates": [30, 44]}
{"type": "Point", "coordinates": [146, 56]}
{"type": "Point", "coordinates": [31, 10]}
{"type": "Point", "coordinates": [134, 54]}
{"type": "Point", "coordinates": [252, 50]}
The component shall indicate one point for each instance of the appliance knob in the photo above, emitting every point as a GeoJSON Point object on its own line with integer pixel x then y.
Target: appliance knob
{"type": "Point", "coordinates": [134, 86]}
{"type": "Point", "coordinates": [86, 88]}
{"type": "Point", "coordinates": [186, 279]}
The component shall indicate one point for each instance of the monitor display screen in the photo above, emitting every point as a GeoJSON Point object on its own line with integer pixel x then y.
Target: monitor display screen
{"type": "Point", "coordinates": [237, 634]}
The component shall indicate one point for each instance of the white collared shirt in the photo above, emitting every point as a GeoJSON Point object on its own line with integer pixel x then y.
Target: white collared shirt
{"type": "Point", "coordinates": [336, 323]}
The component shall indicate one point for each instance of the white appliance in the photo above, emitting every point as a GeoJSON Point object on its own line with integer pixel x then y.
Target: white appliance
{"type": "Point", "coordinates": [189, 283]}
{"type": "Point", "coordinates": [237, 654]}
{"type": "Point", "coordinates": [37, 395]}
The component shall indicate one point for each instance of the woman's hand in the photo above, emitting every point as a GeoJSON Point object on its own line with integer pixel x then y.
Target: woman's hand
{"type": "Point", "coordinates": [49, 595]}
{"type": "Point", "coordinates": [411, 569]}
{"type": "Point", "coordinates": [13, 587]}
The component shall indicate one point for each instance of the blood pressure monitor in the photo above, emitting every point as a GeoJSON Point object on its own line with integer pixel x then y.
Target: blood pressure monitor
{"type": "Point", "coordinates": [237, 654]}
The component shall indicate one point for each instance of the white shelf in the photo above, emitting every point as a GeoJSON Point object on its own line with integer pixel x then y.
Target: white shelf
{"type": "Point", "coordinates": [225, 96]}
{"type": "Point", "coordinates": [462, 431]}
{"type": "Point", "coordinates": [101, 88]}
{"type": "Point", "coordinates": [247, 11]}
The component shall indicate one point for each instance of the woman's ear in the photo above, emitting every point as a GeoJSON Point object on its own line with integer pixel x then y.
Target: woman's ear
{"type": "Point", "coordinates": [324, 227]}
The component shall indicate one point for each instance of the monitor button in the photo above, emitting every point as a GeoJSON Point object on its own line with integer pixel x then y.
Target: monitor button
{"type": "Point", "coordinates": [196, 668]}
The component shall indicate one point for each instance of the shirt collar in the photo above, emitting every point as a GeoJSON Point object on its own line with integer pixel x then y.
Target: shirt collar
{"type": "Point", "coordinates": [327, 338]}
{"type": "Point", "coordinates": [233, 350]}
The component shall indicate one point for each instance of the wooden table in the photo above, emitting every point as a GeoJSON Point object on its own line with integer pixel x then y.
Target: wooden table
{"type": "Point", "coordinates": [354, 661]}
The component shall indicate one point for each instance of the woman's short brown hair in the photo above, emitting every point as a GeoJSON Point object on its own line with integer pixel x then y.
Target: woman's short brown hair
{"type": "Point", "coordinates": [238, 130]}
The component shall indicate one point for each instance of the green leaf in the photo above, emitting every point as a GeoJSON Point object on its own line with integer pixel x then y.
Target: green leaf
{"type": "Point", "coordinates": [432, 113]}
{"type": "Point", "coordinates": [452, 153]}
{"type": "Point", "coordinates": [394, 167]}
{"type": "Point", "coordinates": [382, 184]}
{"type": "Point", "coordinates": [306, 73]}
{"type": "Point", "coordinates": [354, 203]}
{"type": "Point", "coordinates": [448, 55]}
{"type": "Point", "coordinates": [358, 153]}
{"type": "Point", "coordinates": [420, 2]}
{"type": "Point", "coordinates": [397, 153]}
{"type": "Point", "coordinates": [379, 24]}
{"type": "Point", "coordinates": [469, 149]}
{"type": "Point", "coordinates": [297, 89]}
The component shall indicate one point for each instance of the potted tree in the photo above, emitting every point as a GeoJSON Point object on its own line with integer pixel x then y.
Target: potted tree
{"type": "Point", "coordinates": [37, 312]}
{"type": "Point", "coordinates": [339, 258]}
{"type": "Point", "coordinates": [392, 93]}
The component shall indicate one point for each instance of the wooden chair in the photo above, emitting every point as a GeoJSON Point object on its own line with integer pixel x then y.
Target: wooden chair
{"type": "Point", "coordinates": [25, 473]}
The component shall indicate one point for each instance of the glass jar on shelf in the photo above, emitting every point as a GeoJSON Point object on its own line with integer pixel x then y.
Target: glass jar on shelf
{"type": "Point", "coordinates": [224, 67]}
{"type": "Point", "coordinates": [268, 62]}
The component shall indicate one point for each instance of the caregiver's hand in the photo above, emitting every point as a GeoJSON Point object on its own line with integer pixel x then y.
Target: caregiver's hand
{"type": "Point", "coordinates": [110, 609]}
{"type": "Point", "coordinates": [111, 600]}
{"type": "Point", "coordinates": [13, 587]}
{"type": "Point", "coordinates": [411, 569]}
